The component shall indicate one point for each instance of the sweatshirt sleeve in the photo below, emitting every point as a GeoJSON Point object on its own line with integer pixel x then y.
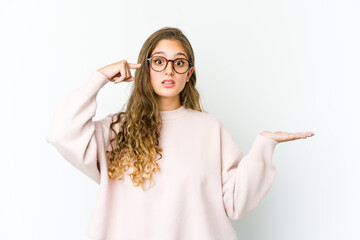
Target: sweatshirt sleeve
{"type": "Point", "coordinates": [245, 179]}
{"type": "Point", "coordinates": [72, 130]}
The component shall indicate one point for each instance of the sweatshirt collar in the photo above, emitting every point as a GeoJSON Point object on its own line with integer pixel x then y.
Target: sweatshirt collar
{"type": "Point", "coordinates": [173, 114]}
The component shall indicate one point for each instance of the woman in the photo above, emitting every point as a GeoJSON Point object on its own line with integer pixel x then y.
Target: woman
{"type": "Point", "coordinates": [192, 174]}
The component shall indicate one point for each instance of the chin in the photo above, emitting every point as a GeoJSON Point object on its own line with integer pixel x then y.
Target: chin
{"type": "Point", "coordinates": [168, 94]}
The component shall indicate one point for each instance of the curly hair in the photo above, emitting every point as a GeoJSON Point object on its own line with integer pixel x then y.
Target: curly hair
{"type": "Point", "coordinates": [135, 146]}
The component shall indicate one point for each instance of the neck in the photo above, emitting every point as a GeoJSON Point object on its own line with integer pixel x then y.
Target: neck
{"type": "Point", "coordinates": [168, 104]}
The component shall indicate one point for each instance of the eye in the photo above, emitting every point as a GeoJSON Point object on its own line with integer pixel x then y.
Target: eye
{"type": "Point", "coordinates": [180, 62]}
{"type": "Point", "coordinates": [158, 61]}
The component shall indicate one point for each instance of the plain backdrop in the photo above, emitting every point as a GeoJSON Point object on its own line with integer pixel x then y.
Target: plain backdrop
{"type": "Point", "coordinates": [274, 65]}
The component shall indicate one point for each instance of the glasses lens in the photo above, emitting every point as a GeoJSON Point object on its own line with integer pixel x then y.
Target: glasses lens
{"type": "Point", "coordinates": [181, 65]}
{"type": "Point", "coordinates": [158, 63]}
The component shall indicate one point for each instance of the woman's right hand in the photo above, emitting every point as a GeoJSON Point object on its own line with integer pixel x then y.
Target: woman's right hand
{"type": "Point", "coordinates": [119, 71]}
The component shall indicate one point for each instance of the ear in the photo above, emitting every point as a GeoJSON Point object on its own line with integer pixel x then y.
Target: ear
{"type": "Point", "coordinates": [189, 73]}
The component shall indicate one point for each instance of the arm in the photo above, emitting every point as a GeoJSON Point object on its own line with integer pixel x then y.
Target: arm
{"type": "Point", "coordinates": [246, 179]}
{"type": "Point", "coordinates": [73, 131]}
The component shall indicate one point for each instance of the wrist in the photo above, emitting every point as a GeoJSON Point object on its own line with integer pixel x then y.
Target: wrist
{"type": "Point", "coordinates": [103, 73]}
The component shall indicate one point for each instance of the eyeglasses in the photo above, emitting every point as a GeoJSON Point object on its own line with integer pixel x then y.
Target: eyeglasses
{"type": "Point", "coordinates": [159, 63]}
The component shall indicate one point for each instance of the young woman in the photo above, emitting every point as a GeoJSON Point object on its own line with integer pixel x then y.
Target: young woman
{"type": "Point", "coordinates": [192, 174]}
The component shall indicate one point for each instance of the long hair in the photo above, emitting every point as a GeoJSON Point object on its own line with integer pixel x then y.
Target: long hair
{"type": "Point", "coordinates": [135, 146]}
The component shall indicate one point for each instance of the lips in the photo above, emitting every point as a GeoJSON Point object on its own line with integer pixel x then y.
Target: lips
{"type": "Point", "coordinates": [168, 80]}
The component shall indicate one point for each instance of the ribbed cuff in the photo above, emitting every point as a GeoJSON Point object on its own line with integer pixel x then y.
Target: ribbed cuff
{"type": "Point", "coordinates": [263, 148]}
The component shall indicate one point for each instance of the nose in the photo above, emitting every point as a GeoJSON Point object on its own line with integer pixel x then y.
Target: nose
{"type": "Point", "coordinates": [169, 68]}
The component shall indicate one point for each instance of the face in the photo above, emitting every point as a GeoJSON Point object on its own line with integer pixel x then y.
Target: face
{"type": "Point", "coordinates": [170, 49]}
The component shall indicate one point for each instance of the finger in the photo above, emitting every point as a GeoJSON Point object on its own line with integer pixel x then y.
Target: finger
{"type": "Point", "coordinates": [285, 136]}
{"type": "Point", "coordinates": [127, 80]}
{"type": "Point", "coordinates": [292, 136]}
{"type": "Point", "coordinates": [117, 80]}
{"type": "Point", "coordinates": [303, 135]}
{"type": "Point", "coordinates": [130, 79]}
{"type": "Point", "coordinates": [128, 73]}
{"type": "Point", "coordinates": [134, 65]}
{"type": "Point", "coordinates": [122, 75]}
{"type": "Point", "coordinates": [115, 76]}
{"type": "Point", "coordinates": [307, 134]}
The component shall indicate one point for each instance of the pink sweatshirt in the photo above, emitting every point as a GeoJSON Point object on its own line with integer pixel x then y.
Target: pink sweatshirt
{"type": "Point", "coordinates": [204, 179]}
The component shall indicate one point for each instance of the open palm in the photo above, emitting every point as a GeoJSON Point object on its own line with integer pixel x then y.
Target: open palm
{"type": "Point", "coordinates": [285, 136]}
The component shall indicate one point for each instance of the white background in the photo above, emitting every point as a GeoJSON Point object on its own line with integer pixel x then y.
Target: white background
{"type": "Point", "coordinates": [261, 65]}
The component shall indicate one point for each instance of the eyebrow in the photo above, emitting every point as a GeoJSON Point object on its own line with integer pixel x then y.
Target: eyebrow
{"type": "Point", "coordinates": [179, 53]}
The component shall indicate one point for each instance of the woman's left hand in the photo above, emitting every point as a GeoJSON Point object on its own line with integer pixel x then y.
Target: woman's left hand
{"type": "Point", "coordinates": [285, 136]}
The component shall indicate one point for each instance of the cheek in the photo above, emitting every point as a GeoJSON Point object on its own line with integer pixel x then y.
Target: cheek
{"type": "Point", "coordinates": [153, 77]}
{"type": "Point", "coordinates": [183, 78]}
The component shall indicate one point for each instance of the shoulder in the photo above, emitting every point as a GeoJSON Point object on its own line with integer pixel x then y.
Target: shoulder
{"type": "Point", "coordinates": [204, 118]}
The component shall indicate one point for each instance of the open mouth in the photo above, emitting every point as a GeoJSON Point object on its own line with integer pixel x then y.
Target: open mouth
{"type": "Point", "coordinates": [168, 82]}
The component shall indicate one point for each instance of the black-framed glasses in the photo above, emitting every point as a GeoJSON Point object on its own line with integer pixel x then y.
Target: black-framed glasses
{"type": "Point", "coordinates": [159, 63]}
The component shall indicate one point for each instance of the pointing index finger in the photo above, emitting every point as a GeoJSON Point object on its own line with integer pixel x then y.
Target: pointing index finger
{"type": "Point", "coordinates": [134, 65]}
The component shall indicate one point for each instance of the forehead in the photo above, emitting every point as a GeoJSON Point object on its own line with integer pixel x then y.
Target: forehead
{"type": "Point", "coordinates": [169, 48]}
